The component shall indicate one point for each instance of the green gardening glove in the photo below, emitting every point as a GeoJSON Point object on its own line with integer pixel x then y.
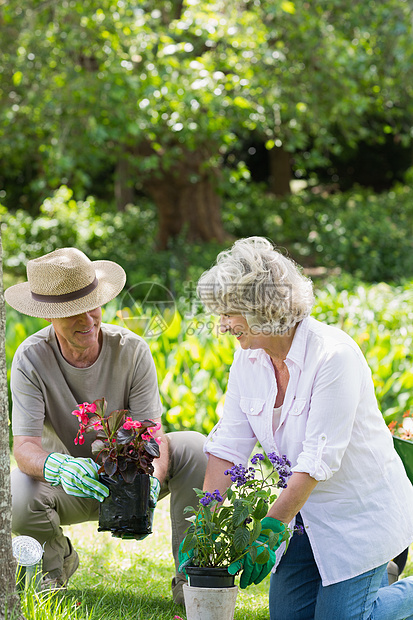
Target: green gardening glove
{"type": "Point", "coordinates": [185, 558]}
{"type": "Point", "coordinates": [255, 572]}
{"type": "Point", "coordinates": [78, 476]}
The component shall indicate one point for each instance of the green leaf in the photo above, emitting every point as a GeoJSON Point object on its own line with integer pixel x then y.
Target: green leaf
{"type": "Point", "coordinates": [273, 539]}
{"type": "Point", "coordinates": [260, 510]}
{"type": "Point", "coordinates": [256, 531]}
{"type": "Point", "coordinates": [288, 7]}
{"type": "Point", "coordinates": [17, 78]}
{"type": "Point", "coordinates": [189, 543]}
{"type": "Point", "coordinates": [240, 514]}
{"type": "Point", "coordinates": [241, 538]}
{"type": "Point", "coordinates": [263, 557]}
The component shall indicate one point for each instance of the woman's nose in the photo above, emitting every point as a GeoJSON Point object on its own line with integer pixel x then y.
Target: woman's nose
{"type": "Point", "coordinates": [223, 324]}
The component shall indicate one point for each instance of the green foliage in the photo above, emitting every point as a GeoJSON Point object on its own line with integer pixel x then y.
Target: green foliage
{"type": "Point", "coordinates": [192, 366]}
{"type": "Point", "coordinates": [192, 359]}
{"type": "Point", "coordinates": [224, 529]}
{"type": "Point", "coordinates": [130, 580]}
{"type": "Point", "coordinates": [50, 605]}
{"type": "Point", "coordinates": [98, 231]}
{"type": "Point", "coordinates": [126, 237]}
{"type": "Point", "coordinates": [362, 233]}
{"type": "Point", "coordinates": [359, 232]}
{"type": "Point", "coordinates": [86, 85]}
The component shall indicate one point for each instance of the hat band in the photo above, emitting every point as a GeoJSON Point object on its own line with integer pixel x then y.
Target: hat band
{"type": "Point", "coordinates": [57, 299]}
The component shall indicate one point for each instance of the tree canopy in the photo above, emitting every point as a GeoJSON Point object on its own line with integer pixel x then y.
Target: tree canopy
{"type": "Point", "coordinates": [155, 96]}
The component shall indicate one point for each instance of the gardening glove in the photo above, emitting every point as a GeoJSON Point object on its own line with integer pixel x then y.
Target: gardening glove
{"type": "Point", "coordinates": [154, 492]}
{"type": "Point", "coordinates": [255, 572]}
{"type": "Point", "coordinates": [153, 500]}
{"type": "Point", "coordinates": [185, 559]}
{"type": "Point", "coordinates": [77, 476]}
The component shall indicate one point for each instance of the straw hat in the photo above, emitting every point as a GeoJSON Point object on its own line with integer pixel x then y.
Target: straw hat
{"type": "Point", "coordinates": [65, 283]}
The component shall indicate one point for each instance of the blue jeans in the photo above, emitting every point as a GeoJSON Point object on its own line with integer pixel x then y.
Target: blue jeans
{"type": "Point", "coordinates": [296, 592]}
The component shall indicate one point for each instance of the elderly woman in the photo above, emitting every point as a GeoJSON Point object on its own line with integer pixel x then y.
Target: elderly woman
{"type": "Point", "coordinates": [303, 388]}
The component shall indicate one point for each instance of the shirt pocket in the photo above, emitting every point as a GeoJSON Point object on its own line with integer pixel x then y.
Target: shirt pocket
{"type": "Point", "coordinates": [251, 406]}
{"type": "Point", "coordinates": [297, 406]}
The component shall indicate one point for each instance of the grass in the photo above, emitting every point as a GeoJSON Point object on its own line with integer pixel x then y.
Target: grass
{"type": "Point", "coordinates": [125, 580]}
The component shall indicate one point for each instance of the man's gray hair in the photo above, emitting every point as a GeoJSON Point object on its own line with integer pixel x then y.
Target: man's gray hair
{"type": "Point", "coordinates": [257, 281]}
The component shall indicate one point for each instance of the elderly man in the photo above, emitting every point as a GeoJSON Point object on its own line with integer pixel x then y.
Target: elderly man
{"type": "Point", "coordinates": [77, 359]}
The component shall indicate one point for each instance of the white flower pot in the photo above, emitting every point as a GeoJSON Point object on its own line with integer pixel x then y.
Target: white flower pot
{"type": "Point", "coordinates": [210, 603]}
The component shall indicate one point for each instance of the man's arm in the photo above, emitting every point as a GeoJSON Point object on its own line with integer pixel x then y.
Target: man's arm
{"type": "Point", "coordinates": [29, 455]}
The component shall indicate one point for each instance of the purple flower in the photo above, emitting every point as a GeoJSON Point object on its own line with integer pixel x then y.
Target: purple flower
{"type": "Point", "coordinates": [216, 495]}
{"type": "Point", "coordinates": [256, 458]}
{"type": "Point", "coordinates": [299, 529]}
{"type": "Point", "coordinates": [240, 475]}
{"type": "Point", "coordinates": [282, 465]}
{"type": "Point", "coordinates": [210, 497]}
{"type": "Point", "coordinates": [207, 499]}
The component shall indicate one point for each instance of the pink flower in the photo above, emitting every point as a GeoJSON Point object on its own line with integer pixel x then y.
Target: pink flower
{"type": "Point", "coordinates": [97, 426]}
{"type": "Point", "coordinates": [80, 440]}
{"type": "Point", "coordinates": [83, 417]}
{"type": "Point", "coordinates": [129, 423]}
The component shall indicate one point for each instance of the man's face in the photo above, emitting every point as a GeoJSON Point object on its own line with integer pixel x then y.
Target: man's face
{"type": "Point", "coordinates": [80, 332]}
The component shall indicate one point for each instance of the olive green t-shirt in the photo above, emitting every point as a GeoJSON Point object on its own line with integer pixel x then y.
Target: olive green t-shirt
{"type": "Point", "coordinates": [46, 388]}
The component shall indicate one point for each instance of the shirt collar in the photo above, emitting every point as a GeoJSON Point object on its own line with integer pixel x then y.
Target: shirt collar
{"type": "Point", "coordinates": [297, 350]}
{"type": "Point", "coordinates": [296, 353]}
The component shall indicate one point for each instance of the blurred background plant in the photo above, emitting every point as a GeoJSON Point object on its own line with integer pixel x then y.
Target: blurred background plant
{"type": "Point", "coordinates": [192, 359]}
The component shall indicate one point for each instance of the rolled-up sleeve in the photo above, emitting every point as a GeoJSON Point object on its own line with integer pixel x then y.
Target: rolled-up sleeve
{"type": "Point", "coordinates": [334, 401]}
{"type": "Point", "coordinates": [232, 439]}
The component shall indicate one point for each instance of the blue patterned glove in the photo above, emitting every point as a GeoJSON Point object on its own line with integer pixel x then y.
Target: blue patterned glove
{"type": "Point", "coordinates": [154, 492]}
{"type": "Point", "coordinates": [256, 570]}
{"type": "Point", "coordinates": [78, 476]}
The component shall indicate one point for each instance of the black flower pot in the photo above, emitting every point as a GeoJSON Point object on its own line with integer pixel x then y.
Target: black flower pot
{"type": "Point", "coordinates": [209, 577]}
{"type": "Point", "coordinates": [126, 512]}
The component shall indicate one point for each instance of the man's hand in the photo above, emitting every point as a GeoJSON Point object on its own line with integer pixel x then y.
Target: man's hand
{"type": "Point", "coordinates": [78, 476]}
{"type": "Point", "coordinates": [255, 570]}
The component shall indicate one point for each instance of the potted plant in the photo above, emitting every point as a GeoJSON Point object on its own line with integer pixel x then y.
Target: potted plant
{"type": "Point", "coordinates": [403, 441]}
{"type": "Point", "coordinates": [224, 529]}
{"type": "Point", "coordinates": [125, 449]}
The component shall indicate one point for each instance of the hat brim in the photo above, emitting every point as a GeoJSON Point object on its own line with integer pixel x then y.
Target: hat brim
{"type": "Point", "coordinates": [110, 275]}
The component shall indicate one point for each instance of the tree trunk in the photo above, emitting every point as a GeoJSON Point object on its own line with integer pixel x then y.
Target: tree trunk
{"type": "Point", "coordinates": [187, 201]}
{"type": "Point", "coordinates": [9, 599]}
{"type": "Point", "coordinates": [280, 171]}
{"type": "Point", "coordinates": [124, 191]}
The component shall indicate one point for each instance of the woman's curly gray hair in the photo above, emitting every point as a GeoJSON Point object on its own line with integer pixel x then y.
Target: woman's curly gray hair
{"type": "Point", "coordinates": [255, 280]}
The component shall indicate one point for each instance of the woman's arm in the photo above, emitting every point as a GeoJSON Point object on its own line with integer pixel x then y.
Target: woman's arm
{"type": "Point", "coordinates": [293, 498]}
{"type": "Point", "coordinates": [215, 477]}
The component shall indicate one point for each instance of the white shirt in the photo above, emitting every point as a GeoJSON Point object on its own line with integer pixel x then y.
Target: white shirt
{"type": "Point", "coordinates": [360, 515]}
